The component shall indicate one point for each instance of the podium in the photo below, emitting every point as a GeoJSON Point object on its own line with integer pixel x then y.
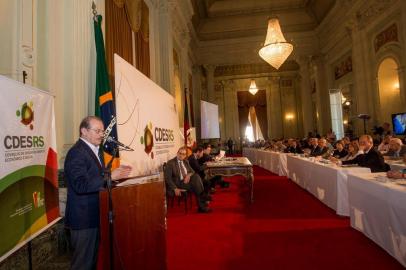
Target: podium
{"type": "Point", "coordinates": [139, 226]}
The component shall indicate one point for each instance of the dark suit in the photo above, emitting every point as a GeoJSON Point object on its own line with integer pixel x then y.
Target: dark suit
{"type": "Point", "coordinates": [205, 158]}
{"type": "Point", "coordinates": [316, 151]}
{"type": "Point", "coordinates": [173, 180]}
{"type": "Point", "coordinates": [373, 160]}
{"type": "Point", "coordinates": [295, 150]}
{"type": "Point", "coordinates": [198, 168]}
{"type": "Point", "coordinates": [84, 177]}
{"type": "Point", "coordinates": [338, 154]}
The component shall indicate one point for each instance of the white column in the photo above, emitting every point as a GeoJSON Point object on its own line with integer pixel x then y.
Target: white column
{"type": "Point", "coordinates": [306, 96]}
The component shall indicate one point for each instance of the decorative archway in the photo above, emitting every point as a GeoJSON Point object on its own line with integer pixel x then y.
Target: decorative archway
{"type": "Point", "coordinates": [388, 89]}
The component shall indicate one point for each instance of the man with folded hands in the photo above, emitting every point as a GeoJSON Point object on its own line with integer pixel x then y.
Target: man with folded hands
{"type": "Point", "coordinates": [368, 156]}
{"type": "Point", "coordinates": [179, 176]}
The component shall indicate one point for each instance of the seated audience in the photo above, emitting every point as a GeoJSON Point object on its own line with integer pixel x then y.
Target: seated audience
{"type": "Point", "coordinates": [315, 149]}
{"type": "Point", "coordinates": [199, 169]}
{"type": "Point", "coordinates": [293, 147]}
{"type": "Point", "coordinates": [207, 157]}
{"type": "Point", "coordinates": [180, 176]}
{"type": "Point", "coordinates": [323, 150]}
{"type": "Point", "coordinates": [384, 145]}
{"type": "Point", "coordinates": [396, 149]}
{"type": "Point", "coordinates": [346, 142]}
{"type": "Point", "coordinates": [368, 157]}
{"type": "Point", "coordinates": [353, 151]}
{"type": "Point", "coordinates": [340, 152]}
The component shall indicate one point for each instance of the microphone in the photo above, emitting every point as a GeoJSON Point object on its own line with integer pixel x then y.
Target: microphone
{"type": "Point", "coordinates": [112, 140]}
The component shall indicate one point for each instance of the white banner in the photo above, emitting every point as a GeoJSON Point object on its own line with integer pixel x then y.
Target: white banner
{"type": "Point", "coordinates": [147, 120]}
{"type": "Point", "coordinates": [28, 171]}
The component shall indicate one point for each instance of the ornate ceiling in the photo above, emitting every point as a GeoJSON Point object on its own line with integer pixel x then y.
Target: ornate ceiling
{"type": "Point", "coordinates": [229, 19]}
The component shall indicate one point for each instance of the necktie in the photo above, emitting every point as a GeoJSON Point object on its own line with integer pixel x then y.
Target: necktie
{"type": "Point", "coordinates": [100, 156]}
{"type": "Point", "coordinates": [182, 170]}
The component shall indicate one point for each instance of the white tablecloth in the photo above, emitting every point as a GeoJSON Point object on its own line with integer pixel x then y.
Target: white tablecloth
{"type": "Point", "coordinates": [327, 182]}
{"type": "Point", "coordinates": [379, 211]}
{"type": "Point", "coordinates": [272, 161]}
{"type": "Point", "coordinates": [396, 166]}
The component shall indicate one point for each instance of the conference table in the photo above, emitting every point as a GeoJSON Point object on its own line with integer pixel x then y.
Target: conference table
{"type": "Point", "coordinates": [325, 180]}
{"type": "Point", "coordinates": [396, 165]}
{"type": "Point", "coordinates": [378, 209]}
{"type": "Point", "coordinates": [232, 166]}
{"type": "Point", "coordinates": [376, 205]}
{"type": "Point", "coordinates": [270, 160]}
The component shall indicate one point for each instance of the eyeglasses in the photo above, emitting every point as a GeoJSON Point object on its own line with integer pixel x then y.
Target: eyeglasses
{"type": "Point", "coordinates": [182, 153]}
{"type": "Point", "coordinates": [98, 131]}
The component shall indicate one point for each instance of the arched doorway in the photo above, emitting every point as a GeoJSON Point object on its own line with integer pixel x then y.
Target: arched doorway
{"type": "Point", "coordinates": [389, 91]}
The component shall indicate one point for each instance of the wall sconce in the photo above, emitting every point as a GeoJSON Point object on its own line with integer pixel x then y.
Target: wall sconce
{"type": "Point", "coordinates": [347, 103]}
{"type": "Point", "coordinates": [396, 86]}
{"type": "Point", "coordinates": [345, 122]}
{"type": "Point", "coordinates": [289, 116]}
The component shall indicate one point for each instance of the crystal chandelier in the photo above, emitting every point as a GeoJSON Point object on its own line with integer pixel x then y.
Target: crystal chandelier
{"type": "Point", "coordinates": [253, 88]}
{"type": "Point", "coordinates": [276, 50]}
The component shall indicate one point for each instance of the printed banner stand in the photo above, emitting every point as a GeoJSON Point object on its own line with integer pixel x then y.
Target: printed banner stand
{"type": "Point", "coordinates": [147, 120]}
{"type": "Point", "coordinates": [29, 202]}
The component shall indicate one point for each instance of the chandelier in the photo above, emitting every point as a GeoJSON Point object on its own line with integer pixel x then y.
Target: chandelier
{"type": "Point", "coordinates": [253, 88]}
{"type": "Point", "coordinates": [276, 50]}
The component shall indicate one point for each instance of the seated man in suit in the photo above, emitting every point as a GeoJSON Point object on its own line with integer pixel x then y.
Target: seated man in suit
{"type": "Point", "coordinates": [180, 176]}
{"type": "Point", "coordinates": [314, 147]}
{"type": "Point", "coordinates": [368, 157]}
{"type": "Point", "coordinates": [396, 149]}
{"type": "Point", "coordinates": [207, 157]}
{"type": "Point", "coordinates": [199, 169]}
{"type": "Point", "coordinates": [293, 147]}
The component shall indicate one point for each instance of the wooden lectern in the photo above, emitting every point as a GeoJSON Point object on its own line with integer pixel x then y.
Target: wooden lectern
{"type": "Point", "coordinates": [139, 226]}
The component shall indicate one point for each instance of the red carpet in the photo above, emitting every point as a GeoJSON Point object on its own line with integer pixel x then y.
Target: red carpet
{"type": "Point", "coordinates": [285, 228]}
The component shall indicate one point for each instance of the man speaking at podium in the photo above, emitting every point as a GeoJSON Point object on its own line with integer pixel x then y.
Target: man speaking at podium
{"type": "Point", "coordinates": [84, 177]}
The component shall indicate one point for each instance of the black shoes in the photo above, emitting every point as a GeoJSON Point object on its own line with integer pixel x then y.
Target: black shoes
{"type": "Point", "coordinates": [204, 210]}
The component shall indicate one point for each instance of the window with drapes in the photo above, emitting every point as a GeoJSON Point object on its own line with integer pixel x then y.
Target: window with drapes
{"type": "Point", "coordinates": [252, 111]}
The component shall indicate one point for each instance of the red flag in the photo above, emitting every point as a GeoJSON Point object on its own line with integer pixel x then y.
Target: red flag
{"type": "Point", "coordinates": [186, 124]}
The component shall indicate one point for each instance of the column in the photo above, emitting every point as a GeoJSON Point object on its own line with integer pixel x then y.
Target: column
{"type": "Point", "coordinates": [231, 111]}
{"type": "Point", "coordinates": [165, 47]}
{"type": "Point", "coordinates": [276, 109]}
{"type": "Point", "coordinates": [210, 82]}
{"type": "Point", "coordinates": [402, 85]}
{"type": "Point", "coordinates": [358, 71]}
{"type": "Point", "coordinates": [197, 90]}
{"type": "Point", "coordinates": [322, 96]}
{"type": "Point", "coordinates": [306, 96]}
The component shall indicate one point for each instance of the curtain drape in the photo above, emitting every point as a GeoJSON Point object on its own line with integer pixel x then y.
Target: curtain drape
{"type": "Point", "coordinates": [243, 119]}
{"type": "Point", "coordinates": [142, 56]}
{"type": "Point", "coordinates": [118, 36]}
{"type": "Point", "coordinates": [258, 101]}
{"type": "Point", "coordinates": [253, 121]}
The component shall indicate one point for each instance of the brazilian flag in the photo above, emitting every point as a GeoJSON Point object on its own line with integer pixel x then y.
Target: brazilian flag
{"type": "Point", "coordinates": [104, 97]}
